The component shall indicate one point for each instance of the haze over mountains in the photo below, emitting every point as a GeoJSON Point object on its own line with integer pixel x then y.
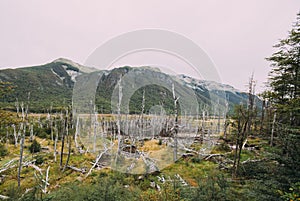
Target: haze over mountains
{"type": "Point", "coordinates": [51, 86]}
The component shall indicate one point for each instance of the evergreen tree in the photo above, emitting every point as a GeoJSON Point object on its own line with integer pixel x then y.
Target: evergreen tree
{"type": "Point", "coordinates": [284, 79]}
{"type": "Point", "coordinates": [285, 99]}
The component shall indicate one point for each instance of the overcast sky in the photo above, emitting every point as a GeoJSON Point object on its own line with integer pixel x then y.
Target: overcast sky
{"type": "Point", "coordinates": [236, 34]}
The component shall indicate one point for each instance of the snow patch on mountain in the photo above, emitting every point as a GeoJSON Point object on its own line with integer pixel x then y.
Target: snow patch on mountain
{"type": "Point", "coordinates": [81, 68]}
{"type": "Point", "coordinates": [209, 85]}
{"type": "Point", "coordinates": [73, 74]}
{"type": "Point", "coordinates": [62, 78]}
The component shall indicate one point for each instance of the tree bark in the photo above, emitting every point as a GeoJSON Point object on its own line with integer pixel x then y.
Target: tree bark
{"type": "Point", "coordinates": [21, 157]}
{"type": "Point", "coordinates": [273, 128]}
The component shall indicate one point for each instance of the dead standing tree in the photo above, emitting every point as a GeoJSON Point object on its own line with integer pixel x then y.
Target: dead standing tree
{"type": "Point", "coordinates": [142, 117]}
{"type": "Point", "coordinates": [21, 154]}
{"type": "Point", "coordinates": [65, 132]}
{"type": "Point", "coordinates": [22, 134]}
{"type": "Point", "coordinates": [63, 127]}
{"type": "Point", "coordinates": [251, 96]}
{"type": "Point", "coordinates": [119, 117]}
{"type": "Point", "coordinates": [241, 136]}
{"type": "Point", "coordinates": [244, 120]}
{"type": "Point", "coordinates": [68, 125]}
{"type": "Point", "coordinates": [175, 121]}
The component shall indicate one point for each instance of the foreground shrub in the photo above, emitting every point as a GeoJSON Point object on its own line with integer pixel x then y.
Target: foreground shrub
{"type": "Point", "coordinates": [3, 150]}
{"type": "Point", "coordinates": [35, 147]}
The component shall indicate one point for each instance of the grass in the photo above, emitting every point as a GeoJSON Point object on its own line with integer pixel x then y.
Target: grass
{"type": "Point", "coordinates": [191, 169]}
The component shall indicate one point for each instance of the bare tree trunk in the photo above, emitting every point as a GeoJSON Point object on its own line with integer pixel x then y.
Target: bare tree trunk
{"type": "Point", "coordinates": [15, 135]}
{"type": "Point", "coordinates": [21, 157]}
{"type": "Point", "coordinates": [240, 139]}
{"type": "Point", "coordinates": [226, 124]}
{"type": "Point", "coordinates": [64, 125]}
{"type": "Point", "coordinates": [142, 116]}
{"type": "Point", "coordinates": [46, 180]}
{"type": "Point", "coordinates": [176, 122]}
{"type": "Point", "coordinates": [69, 152]}
{"type": "Point", "coordinates": [119, 116]}
{"type": "Point", "coordinates": [203, 126]}
{"type": "Point", "coordinates": [31, 133]}
{"type": "Point", "coordinates": [96, 161]}
{"type": "Point", "coordinates": [76, 132]}
{"type": "Point", "coordinates": [241, 144]}
{"type": "Point", "coordinates": [262, 117]}
{"type": "Point", "coordinates": [95, 129]}
{"type": "Point", "coordinates": [22, 131]}
{"type": "Point", "coordinates": [55, 142]}
{"type": "Point", "coordinates": [272, 132]}
{"type": "Point", "coordinates": [250, 103]}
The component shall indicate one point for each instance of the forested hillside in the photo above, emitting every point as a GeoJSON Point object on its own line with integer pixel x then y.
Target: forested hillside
{"type": "Point", "coordinates": [51, 86]}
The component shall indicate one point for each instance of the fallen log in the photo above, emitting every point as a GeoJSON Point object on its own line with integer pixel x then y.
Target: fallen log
{"type": "Point", "coordinates": [96, 162]}
{"type": "Point", "coordinates": [4, 197]}
{"type": "Point", "coordinates": [83, 170]}
{"type": "Point", "coordinates": [212, 155]}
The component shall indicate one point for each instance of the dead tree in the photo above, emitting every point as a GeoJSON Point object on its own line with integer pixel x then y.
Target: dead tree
{"type": "Point", "coordinates": [98, 159]}
{"type": "Point", "coordinates": [95, 128]}
{"type": "Point", "coordinates": [55, 141]}
{"type": "Point", "coordinates": [21, 155]}
{"type": "Point", "coordinates": [272, 131]}
{"type": "Point", "coordinates": [64, 125]}
{"type": "Point", "coordinates": [251, 96]}
{"type": "Point", "coordinates": [242, 128]}
{"type": "Point", "coordinates": [69, 148]}
{"type": "Point", "coordinates": [76, 133]}
{"type": "Point", "coordinates": [15, 135]}
{"type": "Point", "coordinates": [175, 99]}
{"type": "Point", "coordinates": [142, 116]}
{"type": "Point", "coordinates": [22, 130]}
{"type": "Point", "coordinates": [119, 116]}
{"type": "Point", "coordinates": [46, 180]}
{"type": "Point", "coordinates": [262, 116]}
{"type": "Point", "coordinates": [226, 121]}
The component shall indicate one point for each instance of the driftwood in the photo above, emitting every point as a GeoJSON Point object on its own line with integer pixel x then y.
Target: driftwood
{"type": "Point", "coordinates": [161, 179]}
{"type": "Point", "coordinates": [21, 156]}
{"type": "Point", "coordinates": [253, 161]}
{"type": "Point", "coordinates": [96, 162]}
{"type": "Point", "coordinates": [46, 180]}
{"type": "Point", "coordinates": [99, 165]}
{"type": "Point", "coordinates": [83, 170]}
{"type": "Point", "coordinates": [149, 163]}
{"type": "Point", "coordinates": [212, 155]}
{"type": "Point", "coordinates": [184, 183]}
{"type": "Point", "coordinates": [36, 168]}
{"type": "Point", "coordinates": [190, 150]}
{"type": "Point", "coordinates": [8, 165]}
{"type": "Point", "coordinates": [4, 197]}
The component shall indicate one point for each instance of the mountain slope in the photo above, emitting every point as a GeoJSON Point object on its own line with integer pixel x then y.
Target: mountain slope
{"type": "Point", "coordinates": [51, 86]}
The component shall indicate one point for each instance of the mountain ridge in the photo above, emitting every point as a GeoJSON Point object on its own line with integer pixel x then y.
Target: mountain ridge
{"type": "Point", "coordinates": [51, 85]}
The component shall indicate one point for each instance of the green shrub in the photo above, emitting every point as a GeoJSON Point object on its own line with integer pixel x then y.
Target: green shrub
{"type": "Point", "coordinates": [39, 160]}
{"type": "Point", "coordinates": [3, 150]}
{"type": "Point", "coordinates": [35, 147]}
{"type": "Point", "coordinates": [196, 160]}
{"type": "Point", "coordinates": [223, 147]}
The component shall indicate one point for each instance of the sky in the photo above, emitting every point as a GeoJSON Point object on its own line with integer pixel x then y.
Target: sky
{"type": "Point", "coordinates": [237, 35]}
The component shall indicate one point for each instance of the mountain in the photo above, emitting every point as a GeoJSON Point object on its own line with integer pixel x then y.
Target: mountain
{"type": "Point", "coordinates": [233, 96]}
{"type": "Point", "coordinates": [51, 86]}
